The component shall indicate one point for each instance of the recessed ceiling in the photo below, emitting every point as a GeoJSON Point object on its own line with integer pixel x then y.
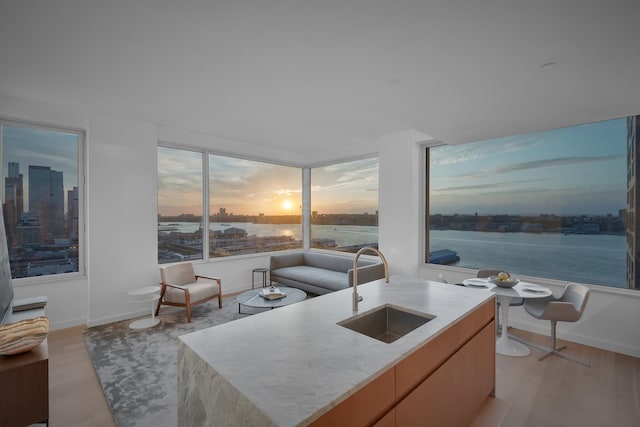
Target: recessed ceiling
{"type": "Point", "coordinates": [312, 76]}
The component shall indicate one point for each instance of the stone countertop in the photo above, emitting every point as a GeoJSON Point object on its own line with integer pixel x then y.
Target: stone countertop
{"type": "Point", "coordinates": [295, 363]}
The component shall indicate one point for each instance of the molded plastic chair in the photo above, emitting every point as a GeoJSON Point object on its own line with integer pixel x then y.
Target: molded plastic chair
{"type": "Point", "coordinates": [566, 308]}
{"type": "Point", "coordinates": [181, 288]}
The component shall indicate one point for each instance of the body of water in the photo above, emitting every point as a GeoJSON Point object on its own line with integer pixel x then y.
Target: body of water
{"type": "Point", "coordinates": [598, 259]}
{"type": "Point", "coordinates": [586, 258]}
{"type": "Point", "coordinates": [343, 235]}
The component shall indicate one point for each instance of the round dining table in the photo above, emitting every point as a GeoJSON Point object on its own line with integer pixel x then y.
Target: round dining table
{"type": "Point", "coordinates": [526, 290]}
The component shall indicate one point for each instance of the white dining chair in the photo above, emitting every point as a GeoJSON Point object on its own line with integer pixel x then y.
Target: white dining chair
{"type": "Point", "coordinates": [568, 307]}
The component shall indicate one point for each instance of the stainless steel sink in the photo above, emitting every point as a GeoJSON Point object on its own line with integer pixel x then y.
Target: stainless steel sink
{"type": "Point", "coordinates": [386, 323]}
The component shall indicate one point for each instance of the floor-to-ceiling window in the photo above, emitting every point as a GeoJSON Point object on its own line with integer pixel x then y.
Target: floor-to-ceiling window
{"type": "Point", "coordinates": [344, 205]}
{"type": "Point", "coordinates": [254, 206]}
{"type": "Point", "coordinates": [180, 205]}
{"type": "Point", "coordinates": [550, 204]}
{"type": "Point", "coordinates": [245, 206]}
{"type": "Point", "coordinates": [42, 198]}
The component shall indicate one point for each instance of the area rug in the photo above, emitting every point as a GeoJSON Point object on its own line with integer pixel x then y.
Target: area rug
{"type": "Point", "coordinates": [138, 368]}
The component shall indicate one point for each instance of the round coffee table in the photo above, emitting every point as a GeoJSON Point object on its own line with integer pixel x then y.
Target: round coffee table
{"type": "Point", "coordinates": [252, 299]}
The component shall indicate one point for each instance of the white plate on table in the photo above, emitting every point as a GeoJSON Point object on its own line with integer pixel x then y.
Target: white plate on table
{"type": "Point", "coordinates": [477, 283]}
{"type": "Point", "coordinates": [534, 289]}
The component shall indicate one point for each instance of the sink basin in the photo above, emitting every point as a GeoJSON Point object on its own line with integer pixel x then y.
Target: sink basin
{"type": "Point", "coordinates": [386, 323]}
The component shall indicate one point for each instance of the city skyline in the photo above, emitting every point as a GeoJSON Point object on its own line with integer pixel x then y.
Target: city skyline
{"type": "Point", "coordinates": [580, 170]}
{"type": "Point", "coordinates": [30, 146]}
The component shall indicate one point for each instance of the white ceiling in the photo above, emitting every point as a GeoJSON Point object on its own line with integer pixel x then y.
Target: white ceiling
{"type": "Point", "coordinates": [306, 75]}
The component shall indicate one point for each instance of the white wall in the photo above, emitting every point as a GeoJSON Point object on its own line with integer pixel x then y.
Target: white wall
{"type": "Point", "coordinates": [401, 219]}
{"type": "Point", "coordinates": [121, 226]}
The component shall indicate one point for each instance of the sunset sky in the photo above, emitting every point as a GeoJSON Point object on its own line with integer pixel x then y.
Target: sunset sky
{"type": "Point", "coordinates": [575, 170]}
{"type": "Point", "coordinates": [245, 187]}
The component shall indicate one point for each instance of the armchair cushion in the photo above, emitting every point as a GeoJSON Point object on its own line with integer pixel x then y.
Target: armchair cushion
{"type": "Point", "coordinates": [197, 291]}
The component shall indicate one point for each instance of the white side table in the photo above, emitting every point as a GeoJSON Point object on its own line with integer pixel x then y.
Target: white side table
{"type": "Point", "coordinates": [141, 295]}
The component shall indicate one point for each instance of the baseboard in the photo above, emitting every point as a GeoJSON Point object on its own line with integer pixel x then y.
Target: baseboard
{"type": "Point", "coordinates": [145, 312]}
{"type": "Point", "coordinates": [580, 339]}
{"type": "Point", "coordinates": [68, 323]}
{"type": "Point", "coordinates": [118, 317]}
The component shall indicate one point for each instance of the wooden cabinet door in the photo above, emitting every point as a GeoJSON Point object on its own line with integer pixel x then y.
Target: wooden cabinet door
{"type": "Point", "coordinates": [24, 387]}
{"type": "Point", "coordinates": [454, 393]}
{"type": "Point", "coordinates": [389, 420]}
{"type": "Point", "coordinates": [416, 367]}
{"type": "Point", "coordinates": [365, 406]}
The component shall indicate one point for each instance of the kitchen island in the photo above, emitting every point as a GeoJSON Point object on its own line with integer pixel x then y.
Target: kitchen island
{"type": "Point", "coordinates": [295, 366]}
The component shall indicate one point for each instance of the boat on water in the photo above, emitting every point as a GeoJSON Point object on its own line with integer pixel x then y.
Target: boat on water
{"type": "Point", "coordinates": [443, 256]}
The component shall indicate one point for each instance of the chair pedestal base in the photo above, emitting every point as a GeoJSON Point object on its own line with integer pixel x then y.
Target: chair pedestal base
{"type": "Point", "coordinates": [553, 350]}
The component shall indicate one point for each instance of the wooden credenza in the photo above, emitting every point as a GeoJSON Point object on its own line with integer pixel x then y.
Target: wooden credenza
{"type": "Point", "coordinates": [24, 387]}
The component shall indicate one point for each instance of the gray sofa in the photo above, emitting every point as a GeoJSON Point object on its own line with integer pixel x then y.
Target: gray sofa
{"type": "Point", "coordinates": [321, 273]}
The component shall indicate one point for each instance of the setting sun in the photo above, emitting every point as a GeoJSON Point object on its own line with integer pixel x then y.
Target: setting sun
{"type": "Point", "coordinates": [287, 205]}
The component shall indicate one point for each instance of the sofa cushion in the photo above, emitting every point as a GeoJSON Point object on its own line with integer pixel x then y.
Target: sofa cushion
{"type": "Point", "coordinates": [321, 277]}
{"type": "Point", "coordinates": [329, 262]}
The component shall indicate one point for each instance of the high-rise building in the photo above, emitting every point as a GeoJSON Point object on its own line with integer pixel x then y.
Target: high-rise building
{"type": "Point", "coordinates": [57, 204]}
{"type": "Point", "coordinates": [13, 202]}
{"type": "Point", "coordinates": [633, 192]}
{"type": "Point", "coordinates": [29, 231]}
{"type": "Point", "coordinates": [72, 214]}
{"type": "Point", "coordinates": [46, 200]}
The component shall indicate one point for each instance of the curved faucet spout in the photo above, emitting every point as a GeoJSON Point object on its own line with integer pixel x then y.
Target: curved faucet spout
{"type": "Point", "coordinates": [356, 297]}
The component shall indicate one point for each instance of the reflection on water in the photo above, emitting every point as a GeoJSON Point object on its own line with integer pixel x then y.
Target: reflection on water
{"type": "Point", "coordinates": [343, 235]}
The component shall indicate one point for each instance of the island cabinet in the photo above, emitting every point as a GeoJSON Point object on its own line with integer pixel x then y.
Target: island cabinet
{"type": "Point", "coordinates": [453, 393]}
{"type": "Point", "coordinates": [442, 383]}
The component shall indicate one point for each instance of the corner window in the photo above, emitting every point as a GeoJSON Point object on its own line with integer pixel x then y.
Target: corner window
{"type": "Point", "coordinates": [250, 207]}
{"type": "Point", "coordinates": [344, 205]}
{"type": "Point", "coordinates": [254, 207]}
{"type": "Point", "coordinates": [558, 204]}
{"type": "Point", "coordinates": [41, 198]}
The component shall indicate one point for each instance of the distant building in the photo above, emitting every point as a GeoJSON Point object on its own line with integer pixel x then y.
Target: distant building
{"type": "Point", "coordinates": [633, 193]}
{"type": "Point", "coordinates": [48, 267]}
{"type": "Point", "coordinates": [29, 231]}
{"type": "Point", "coordinates": [13, 202]}
{"type": "Point", "coordinates": [72, 214]}
{"type": "Point", "coordinates": [46, 200]}
{"type": "Point", "coordinates": [529, 227]}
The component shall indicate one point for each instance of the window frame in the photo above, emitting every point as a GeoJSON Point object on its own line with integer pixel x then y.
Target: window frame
{"type": "Point", "coordinates": [425, 193]}
{"type": "Point", "coordinates": [309, 211]}
{"type": "Point", "coordinates": [205, 153]}
{"type": "Point", "coordinates": [80, 157]}
{"type": "Point", "coordinates": [205, 185]}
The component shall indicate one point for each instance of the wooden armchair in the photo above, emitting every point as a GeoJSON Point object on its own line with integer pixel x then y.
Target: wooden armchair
{"type": "Point", "coordinates": [181, 288]}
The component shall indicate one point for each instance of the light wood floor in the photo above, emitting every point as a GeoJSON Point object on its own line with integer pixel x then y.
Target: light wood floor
{"type": "Point", "coordinates": [553, 392]}
{"type": "Point", "coordinates": [75, 394]}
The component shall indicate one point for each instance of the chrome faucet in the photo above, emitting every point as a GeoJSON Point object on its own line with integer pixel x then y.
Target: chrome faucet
{"type": "Point", "coordinates": [356, 297]}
